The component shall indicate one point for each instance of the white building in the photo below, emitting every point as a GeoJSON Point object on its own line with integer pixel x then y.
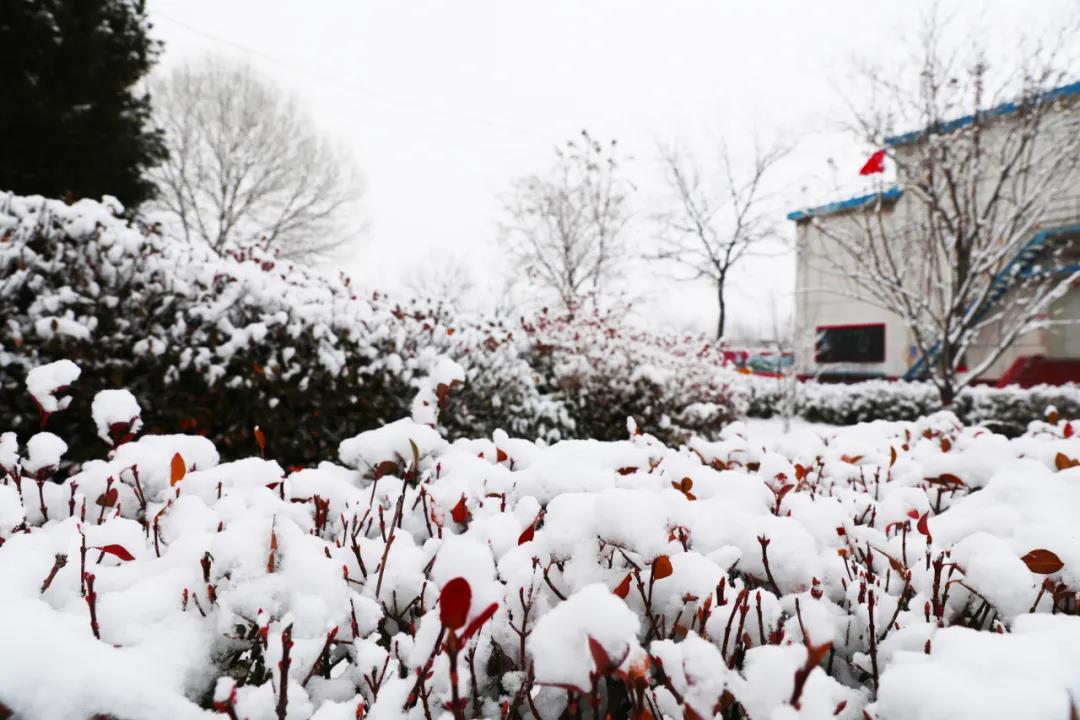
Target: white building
{"type": "Point", "coordinates": [851, 339]}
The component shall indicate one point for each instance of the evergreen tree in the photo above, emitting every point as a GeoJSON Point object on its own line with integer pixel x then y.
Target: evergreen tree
{"type": "Point", "coordinates": [72, 120]}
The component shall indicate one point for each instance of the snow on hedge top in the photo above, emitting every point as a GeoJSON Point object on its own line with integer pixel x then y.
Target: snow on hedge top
{"type": "Point", "coordinates": [116, 414]}
{"type": "Point", "coordinates": [45, 381]}
{"type": "Point", "coordinates": [880, 571]}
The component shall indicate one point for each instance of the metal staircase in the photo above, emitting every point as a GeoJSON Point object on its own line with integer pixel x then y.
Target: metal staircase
{"type": "Point", "coordinates": [1021, 267]}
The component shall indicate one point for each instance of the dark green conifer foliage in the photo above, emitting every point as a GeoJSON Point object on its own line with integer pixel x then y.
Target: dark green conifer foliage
{"type": "Point", "coordinates": [73, 118]}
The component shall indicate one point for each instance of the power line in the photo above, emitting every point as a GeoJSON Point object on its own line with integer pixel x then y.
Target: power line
{"type": "Point", "coordinates": [355, 85]}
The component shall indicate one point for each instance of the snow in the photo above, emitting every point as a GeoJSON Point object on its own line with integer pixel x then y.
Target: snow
{"type": "Point", "coordinates": [737, 570]}
{"type": "Point", "coordinates": [45, 381]}
{"type": "Point", "coordinates": [115, 409]}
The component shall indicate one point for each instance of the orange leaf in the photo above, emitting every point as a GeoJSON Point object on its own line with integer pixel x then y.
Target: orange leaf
{"type": "Point", "coordinates": [623, 588]}
{"type": "Point", "coordinates": [892, 456]}
{"type": "Point", "coordinates": [1042, 562]}
{"type": "Point", "coordinates": [177, 469]}
{"type": "Point", "coordinates": [500, 455]}
{"type": "Point", "coordinates": [260, 438]}
{"type": "Point", "coordinates": [661, 567]}
{"type": "Point", "coordinates": [1064, 462]}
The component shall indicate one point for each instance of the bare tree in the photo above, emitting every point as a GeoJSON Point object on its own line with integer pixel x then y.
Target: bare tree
{"type": "Point", "coordinates": [566, 228]}
{"type": "Point", "coordinates": [245, 164]}
{"type": "Point", "coordinates": [713, 222]}
{"type": "Point", "coordinates": [445, 276]}
{"type": "Point", "coordinates": [970, 257]}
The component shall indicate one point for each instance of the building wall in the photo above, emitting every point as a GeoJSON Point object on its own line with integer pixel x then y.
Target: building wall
{"type": "Point", "coordinates": [821, 298]}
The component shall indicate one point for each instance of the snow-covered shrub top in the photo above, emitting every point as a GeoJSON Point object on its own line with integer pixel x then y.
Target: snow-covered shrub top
{"type": "Point", "coordinates": [855, 574]}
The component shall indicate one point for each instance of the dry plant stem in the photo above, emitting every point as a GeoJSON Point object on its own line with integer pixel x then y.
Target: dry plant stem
{"type": "Point", "coordinates": [59, 562]}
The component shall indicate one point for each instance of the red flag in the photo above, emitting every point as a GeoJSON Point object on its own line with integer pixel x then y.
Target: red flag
{"type": "Point", "coordinates": [876, 164]}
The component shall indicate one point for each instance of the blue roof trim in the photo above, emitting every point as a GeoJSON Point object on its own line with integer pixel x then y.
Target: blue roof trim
{"type": "Point", "coordinates": [1003, 109]}
{"type": "Point", "coordinates": [890, 195]}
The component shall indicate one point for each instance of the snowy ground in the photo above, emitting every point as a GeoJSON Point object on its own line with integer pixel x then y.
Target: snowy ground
{"type": "Point", "coordinates": [887, 570]}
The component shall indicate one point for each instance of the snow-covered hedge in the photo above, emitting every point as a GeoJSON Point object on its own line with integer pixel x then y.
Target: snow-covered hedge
{"type": "Point", "coordinates": [215, 345]}
{"type": "Point", "coordinates": [1005, 410]}
{"type": "Point", "coordinates": [855, 575]}
{"type": "Point", "coordinates": [1009, 410]}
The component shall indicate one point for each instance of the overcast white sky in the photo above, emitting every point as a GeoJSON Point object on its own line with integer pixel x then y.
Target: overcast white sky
{"type": "Point", "coordinates": [444, 103]}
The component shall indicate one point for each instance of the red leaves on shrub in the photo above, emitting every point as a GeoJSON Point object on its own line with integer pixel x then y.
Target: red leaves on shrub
{"type": "Point", "coordinates": [500, 455]}
{"type": "Point", "coordinates": [661, 567]}
{"type": "Point", "coordinates": [460, 513]}
{"type": "Point", "coordinates": [177, 469]}
{"type": "Point", "coordinates": [454, 602]}
{"type": "Point", "coordinates": [526, 535]}
{"type": "Point", "coordinates": [117, 550]}
{"type": "Point", "coordinates": [623, 588]}
{"type": "Point", "coordinates": [1068, 431]}
{"type": "Point", "coordinates": [1042, 562]}
{"type": "Point", "coordinates": [1064, 462]}
{"type": "Point", "coordinates": [946, 445]}
{"type": "Point", "coordinates": [108, 498]}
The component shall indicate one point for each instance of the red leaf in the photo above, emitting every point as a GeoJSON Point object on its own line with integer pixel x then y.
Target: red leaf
{"type": "Point", "coordinates": [454, 602]}
{"type": "Point", "coordinates": [526, 535]}
{"type": "Point", "coordinates": [478, 621]}
{"type": "Point", "coordinates": [177, 469]}
{"type": "Point", "coordinates": [600, 656]}
{"type": "Point", "coordinates": [923, 526]}
{"type": "Point", "coordinates": [117, 550]}
{"type": "Point", "coordinates": [623, 588]}
{"type": "Point", "coordinates": [460, 513]}
{"type": "Point", "coordinates": [1042, 562]}
{"type": "Point", "coordinates": [1068, 431]}
{"type": "Point", "coordinates": [946, 445]}
{"type": "Point", "coordinates": [783, 491]}
{"type": "Point", "coordinates": [913, 514]}
{"type": "Point", "coordinates": [500, 456]}
{"type": "Point", "coordinates": [386, 467]}
{"type": "Point", "coordinates": [628, 470]}
{"type": "Point", "coordinates": [661, 567]}
{"type": "Point", "coordinates": [108, 498]}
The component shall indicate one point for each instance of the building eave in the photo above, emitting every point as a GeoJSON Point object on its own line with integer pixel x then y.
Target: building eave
{"type": "Point", "coordinates": [887, 196]}
{"type": "Point", "coordinates": [982, 116]}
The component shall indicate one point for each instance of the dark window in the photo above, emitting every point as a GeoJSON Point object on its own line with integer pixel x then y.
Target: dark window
{"type": "Point", "coordinates": [851, 343]}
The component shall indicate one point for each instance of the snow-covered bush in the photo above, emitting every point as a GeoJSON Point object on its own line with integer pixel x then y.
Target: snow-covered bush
{"type": "Point", "coordinates": [215, 345]}
{"type": "Point", "coordinates": [1009, 410]}
{"type": "Point", "coordinates": [1005, 410]}
{"type": "Point", "coordinates": [852, 575]}
{"type": "Point", "coordinates": [604, 372]}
